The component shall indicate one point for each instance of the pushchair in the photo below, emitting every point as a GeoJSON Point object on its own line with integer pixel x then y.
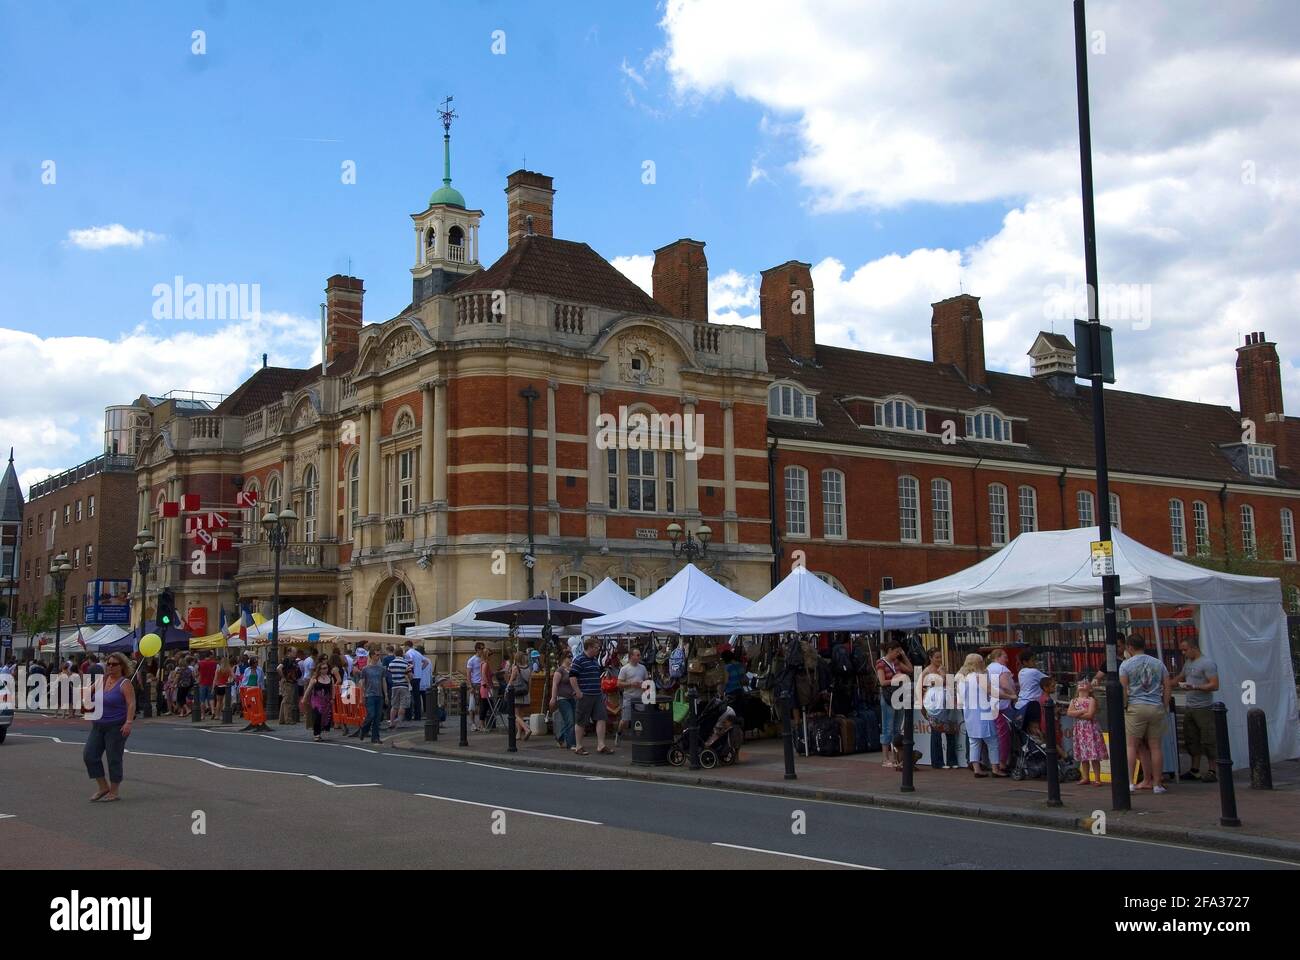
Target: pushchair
{"type": "Point", "coordinates": [1031, 757]}
{"type": "Point", "coordinates": [721, 736]}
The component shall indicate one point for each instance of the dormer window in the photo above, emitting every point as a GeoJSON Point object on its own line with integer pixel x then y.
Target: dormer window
{"type": "Point", "coordinates": [897, 413]}
{"type": "Point", "coordinates": [1260, 459]}
{"type": "Point", "coordinates": [988, 425]}
{"type": "Point", "coordinates": [789, 402]}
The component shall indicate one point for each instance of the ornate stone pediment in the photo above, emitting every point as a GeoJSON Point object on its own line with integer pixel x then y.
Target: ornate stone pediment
{"type": "Point", "coordinates": [399, 347]}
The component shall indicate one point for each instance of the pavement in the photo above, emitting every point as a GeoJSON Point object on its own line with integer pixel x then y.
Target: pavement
{"type": "Point", "coordinates": [849, 809]}
{"type": "Point", "coordinates": [1189, 813]}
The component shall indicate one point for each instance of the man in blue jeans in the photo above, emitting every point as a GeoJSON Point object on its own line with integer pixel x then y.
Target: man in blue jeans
{"type": "Point", "coordinates": [372, 686]}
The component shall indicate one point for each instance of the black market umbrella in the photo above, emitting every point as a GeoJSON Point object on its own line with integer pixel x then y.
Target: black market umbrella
{"type": "Point", "coordinates": [538, 611]}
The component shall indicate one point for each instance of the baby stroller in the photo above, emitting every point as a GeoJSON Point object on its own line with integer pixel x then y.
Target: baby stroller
{"type": "Point", "coordinates": [721, 736]}
{"type": "Point", "coordinates": [1031, 757]}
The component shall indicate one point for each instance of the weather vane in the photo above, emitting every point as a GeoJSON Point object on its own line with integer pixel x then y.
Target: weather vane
{"type": "Point", "coordinates": [448, 114]}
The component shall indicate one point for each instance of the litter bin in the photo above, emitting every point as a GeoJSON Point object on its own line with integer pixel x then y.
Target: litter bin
{"type": "Point", "coordinates": [652, 734]}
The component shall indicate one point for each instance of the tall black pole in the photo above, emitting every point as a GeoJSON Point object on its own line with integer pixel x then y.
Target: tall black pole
{"type": "Point", "coordinates": [276, 539]}
{"type": "Point", "coordinates": [529, 395]}
{"type": "Point", "coordinates": [1119, 787]}
{"type": "Point", "coordinates": [772, 500]}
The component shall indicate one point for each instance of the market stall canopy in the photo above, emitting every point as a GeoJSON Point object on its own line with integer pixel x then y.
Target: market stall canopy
{"type": "Point", "coordinates": [606, 597]}
{"type": "Point", "coordinates": [228, 638]}
{"type": "Point", "coordinates": [1053, 569]}
{"type": "Point", "coordinates": [537, 611]}
{"type": "Point", "coordinates": [109, 633]}
{"type": "Point", "coordinates": [691, 603]}
{"type": "Point", "coordinates": [803, 603]}
{"type": "Point", "coordinates": [294, 621]}
{"type": "Point", "coordinates": [1240, 621]}
{"type": "Point", "coordinates": [72, 640]}
{"type": "Point", "coordinates": [464, 624]}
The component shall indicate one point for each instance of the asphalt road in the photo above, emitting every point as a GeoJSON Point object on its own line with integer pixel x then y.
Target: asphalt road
{"type": "Point", "coordinates": [282, 801]}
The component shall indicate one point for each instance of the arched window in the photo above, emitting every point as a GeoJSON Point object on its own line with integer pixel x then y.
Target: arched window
{"type": "Point", "coordinates": [573, 586]}
{"type": "Point", "coordinates": [1084, 502]}
{"type": "Point", "coordinates": [1201, 527]}
{"type": "Point", "coordinates": [789, 402]}
{"type": "Point", "coordinates": [399, 612]}
{"type": "Point", "coordinates": [997, 514]}
{"type": "Point", "coordinates": [1028, 509]}
{"type": "Point", "coordinates": [1248, 530]}
{"type": "Point", "coordinates": [833, 504]}
{"type": "Point", "coordinates": [830, 581]}
{"type": "Point", "coordinates": [1114, 512]}
{"type": "Point", "coordinates": [988, 425]}
{"type": "Point", "coordinates": [630, 584]}
{"type": "Point", "coordinates": [909, 510]}
{"type": "Point", "coordinates": [1288, 536]}
{"type": "Point", "coordinates": [406, 482]}
{"type": "Point", "coordinates": [310, 499]}
{"type": "Point", "coordinates": [662, 581]}
{"type": "Point", "coordinates": [252, 528]}
{"type": "Point", "coordinates": [796, 502]}
{"type": "Point", "coordinates": [455, 236]}
{"type": "Point", "coordinates": [1177, 529]}
{"type": "Point", "coordinates": [899, 413]}
{"type": "Point", "coordinates": [941, 510]}
{"type": "Point", "coordinates": [354, 495]}
{"type": "Point", "coordinates": [272, 504]}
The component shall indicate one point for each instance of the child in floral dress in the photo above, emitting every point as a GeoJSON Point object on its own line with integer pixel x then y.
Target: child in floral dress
{"type": "Point", "coordinates": [1089, 747]}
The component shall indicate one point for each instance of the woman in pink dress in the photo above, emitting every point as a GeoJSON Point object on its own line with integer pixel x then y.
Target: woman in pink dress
{"type": "Point", "coordinates": [1089, 747]}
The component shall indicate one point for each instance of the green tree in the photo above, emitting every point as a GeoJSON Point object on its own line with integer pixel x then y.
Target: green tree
{"type": "Point", "coordinates": [45, 619]}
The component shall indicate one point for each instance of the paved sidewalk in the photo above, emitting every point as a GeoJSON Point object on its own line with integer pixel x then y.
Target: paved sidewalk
{"type": "Point", "coordinates": [1187, 814]}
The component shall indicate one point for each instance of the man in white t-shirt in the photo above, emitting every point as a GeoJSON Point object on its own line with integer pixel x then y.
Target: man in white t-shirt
{"type": "Point", "coordinates": [1001, 681]}
{"type": "Point", "coordinates": [474, 671]}
{"type": "Point", "coordinates": [630, 678]}
{"type": "Point", "coordinates": [418, 685]}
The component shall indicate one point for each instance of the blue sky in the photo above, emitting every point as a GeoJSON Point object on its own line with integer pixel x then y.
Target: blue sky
{"type": "Point", "coordinates": [902, 149]}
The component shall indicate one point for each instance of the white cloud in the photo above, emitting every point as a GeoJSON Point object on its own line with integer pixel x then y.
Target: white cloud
{"type": "Point", "coordinates": [1195, 122]}
{"type": "Point", "coordinates": [637, 267]}
{"type": "Point", "coordinates": [55, 389]}
{"type": "Point", "coordinates": [113, 235]}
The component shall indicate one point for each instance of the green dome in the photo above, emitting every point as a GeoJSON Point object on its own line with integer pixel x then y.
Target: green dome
{"type": "Point", "coordinates": [449, 195]}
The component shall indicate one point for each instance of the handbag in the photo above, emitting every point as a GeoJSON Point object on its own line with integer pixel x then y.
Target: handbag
{"type": "Point", "coordinates": [680, 707]}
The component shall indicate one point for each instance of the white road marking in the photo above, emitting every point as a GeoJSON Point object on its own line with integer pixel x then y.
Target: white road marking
{"type": "Point", "coordinates": [497, 806]}
{"type": "Point", "coordinates": [8, 816]}
{"type": "Point", "coordinates": [222, 766]}
{"type": "Point", "coordinates": [796, 856]}
{"type": "Point", "coordinates": [38, 736]}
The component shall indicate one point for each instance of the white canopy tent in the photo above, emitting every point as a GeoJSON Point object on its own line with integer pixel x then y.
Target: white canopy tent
{"type": "Point", "coordinates": [109, 633]}
{"type": "Point", "coordinates": [803, 603]}
{"type": "Point", "coordinates": [1240, 620]}
{"type": "Point", "coordinates": [691, 603]}
{"type": "Point", "coordinates": [298, 625]}
{"type": "Point", "coordinates": [606, 597]}
{"type": "Point", "coordinates": [71, 640]}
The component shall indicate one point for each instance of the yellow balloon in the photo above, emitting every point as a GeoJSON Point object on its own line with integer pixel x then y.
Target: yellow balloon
{"type": "Point", "coordinates": [150, 644]}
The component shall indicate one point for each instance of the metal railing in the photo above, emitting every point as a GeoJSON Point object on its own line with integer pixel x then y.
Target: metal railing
{"type": "Point", "coordinates": [107, 463]}
{"type": "Point", "coordinates": [297, 557]}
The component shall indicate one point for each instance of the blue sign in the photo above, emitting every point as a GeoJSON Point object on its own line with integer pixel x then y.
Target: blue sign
{"type": "Point", "coordinates": [108, 601]}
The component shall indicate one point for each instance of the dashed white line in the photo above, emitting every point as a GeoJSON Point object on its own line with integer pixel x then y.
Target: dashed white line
{"type": "Point", "coordinates": [497, 806]}
{"type": "Point", "coordinates": [797, 856]}
{"type": "Point", "coordinates": [8, 816]}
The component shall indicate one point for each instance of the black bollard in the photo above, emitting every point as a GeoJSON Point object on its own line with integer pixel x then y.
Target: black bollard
{"type": "Point", "coordinates": [431, 723]}
{"type": "Point", "coordinates": [228, 704]}
{"type": "Point", "coordinates": [196, 702]}
{"type": "Point", "coordinates": [787, 733]}
{"type": "Point", "coordinates": [1227, 796]}
{"type": "Point", "coordinates": [1048, 714]}
{"type": "Point", "coordinates": [464, 714]}
{"type": "Point", "coordinates": [510, 721]}
{"type": "Point", "coordinates": [146, 701]}
{"type": "Point", "coordinates": [1261, 770]}
{"type": "Point", "coordinates": [693, 731]}
{"type": "Point", "coordinates": [909, 761]}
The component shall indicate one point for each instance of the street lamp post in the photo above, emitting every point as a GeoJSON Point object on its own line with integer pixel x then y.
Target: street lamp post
{"type": "Point", "coordinates": [143, 549]}
{"type": "Point", "coordinates": [59, 570]}
{"type": "Point", "coordinates": [693, 545]}
{"type": "Point", "coordinates": [277, 527]}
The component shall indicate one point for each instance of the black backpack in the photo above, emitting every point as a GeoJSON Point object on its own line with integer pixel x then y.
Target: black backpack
{"type": "Point", "coordinates": [824, 732]}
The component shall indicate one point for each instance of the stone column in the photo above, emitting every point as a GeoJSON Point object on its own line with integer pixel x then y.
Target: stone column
{"type": "Point", "coordinates": [363, 461]}
{"type": "Point", "coordinates": [440, 455]}
{"type": "Point", "coordinates": [597, 499]}
{"type": "Point", "coordinates": [426, 442]}
{"type": "Point", "coordinates": [731, 531]}
{"type": "Point", "coordinates": [327, 497]}
{"type": "Point", "coordinates": [691, 468]}
{"type": "Point", "coordinates": [374, 505]}
{"type": "Point", "coordinates": [552, 502]}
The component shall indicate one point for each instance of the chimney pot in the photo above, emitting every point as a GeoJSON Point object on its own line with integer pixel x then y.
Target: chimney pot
{"type": "Point", "coordinates": [785, 304]}
{"type": "Point", "coordinates": [680, 280]}
{"type": "Point", "coordinates": [530, 203]}
{"type": "Point", "coordinates": [344, 298]}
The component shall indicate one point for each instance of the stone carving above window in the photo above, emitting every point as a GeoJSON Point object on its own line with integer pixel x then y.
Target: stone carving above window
{"type": "Point", "coordinates": [304, 416]}
{"type": "Point", "coordinates": [640, 359]}
{"type": "Point", "coordinates": [400, 347]}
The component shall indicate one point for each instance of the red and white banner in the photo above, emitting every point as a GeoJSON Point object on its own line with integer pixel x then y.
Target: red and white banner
{"type": "Point", "coordinates": [246, 498]}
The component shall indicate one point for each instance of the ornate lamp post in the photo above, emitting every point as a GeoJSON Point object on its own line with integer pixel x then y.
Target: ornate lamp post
{"type": "Point", "coordinates": [143, 549]}
{"type": "Point", "coordinates": [59, 570]}
{"type": "Point", "coordinates": [692, 546]}
{"type": "Point", "coordinates": [277, 527]}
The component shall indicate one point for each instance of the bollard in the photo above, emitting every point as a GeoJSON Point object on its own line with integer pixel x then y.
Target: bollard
{"type": "Point", "coordinates": [1048, 713]}
{"type": "Point", "coordinates": [464, 714]}
{"type": "Point", "coordinates": [693, 732]}
{"type": "Point", "coordinates": [909, 761]}
{"type": "Point", "coordinates": [1227, 798]}
{"type": "Point", "coordinates": [1261, 770]}
{"type": "Point", "coordinates": [787, 733]}
{"type": "Point", "coordinates": [431, 713]}
{"type": "Point", "coordinates": [228, 704]}
{"type": "Point", "coordinates": [196, 702]}
{"type": "Point", "coordinates": [146, 700]}
{"type": "Point", "coordinates": [511, 732]}
{"type": "Point", "coordinates": [295, 715]}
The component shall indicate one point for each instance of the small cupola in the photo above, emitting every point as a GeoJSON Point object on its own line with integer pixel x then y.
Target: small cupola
{"type": "Point", "coordinates": [1052, 353]}
{"type": "Point", "coordinates": [446, 232]}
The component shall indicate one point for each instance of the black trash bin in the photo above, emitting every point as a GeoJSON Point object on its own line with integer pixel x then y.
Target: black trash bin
{"type": "Point", "coordinates": [652, 734]}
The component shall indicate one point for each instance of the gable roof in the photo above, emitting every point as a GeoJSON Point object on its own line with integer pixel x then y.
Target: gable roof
{"type": "Point", "coordinates": [1149, 435]}
{"type": "Point", "coordinates": [11, 495]}
{"type": "Point", "coordinates": [562, 269]}
{"type": "Point", "coordinates": [1058, 341]}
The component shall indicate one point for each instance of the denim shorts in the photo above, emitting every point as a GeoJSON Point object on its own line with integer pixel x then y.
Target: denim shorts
{"type": "Point", "coordinates": [888, 719]}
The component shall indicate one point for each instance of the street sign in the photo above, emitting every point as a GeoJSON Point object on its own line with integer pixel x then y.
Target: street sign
{"type": "Point", "coordinates": [6, 626]}
{"type": "Point", "coordinates": [647, 533]}
{"type": "Point", "coordinates": [7, 642]}
{"type": "Point", "coordinates": [1103, 558]}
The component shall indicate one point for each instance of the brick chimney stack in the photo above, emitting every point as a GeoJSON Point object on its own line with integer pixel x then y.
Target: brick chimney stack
{"type": "Point", "coordinates": [680, 280]}
{"type": "Point", "coordinates": [1259, 391]}
{"type": "Point", "coordinates": [785, 305]}
{"type": "Point", "coordinates": [528, 194]}
{"type": "Point", "coordinates": [343, 297]}
{"type": "Point", "coordinates": [957, 336]}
